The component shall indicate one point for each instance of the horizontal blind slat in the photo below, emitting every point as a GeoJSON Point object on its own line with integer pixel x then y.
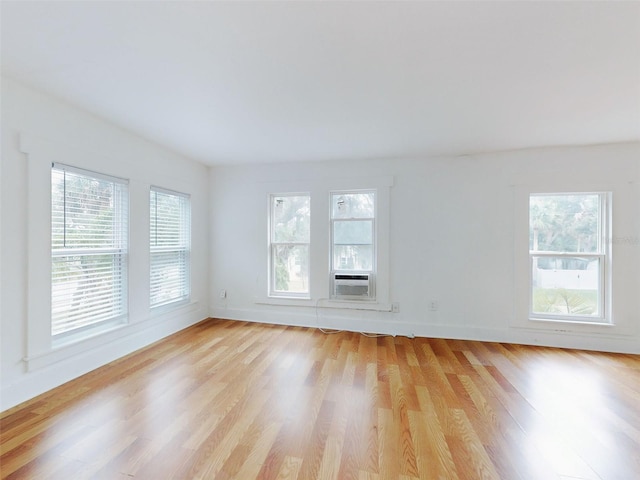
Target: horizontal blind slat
{"type": "Point", "coordinates": [170, 238]}
{"type": "Point", "coordinates": [89, 249]}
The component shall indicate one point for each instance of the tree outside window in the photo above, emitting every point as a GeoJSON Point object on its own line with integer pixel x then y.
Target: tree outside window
{"type": "Point", "coordinates": [290, 233]}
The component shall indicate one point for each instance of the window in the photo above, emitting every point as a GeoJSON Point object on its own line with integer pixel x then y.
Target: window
{"type": "Point", "coordinates": [170, 245]}
{"type": "Point", "coordinates": [353, 233]}
{"type": "Point", "coordinates": [569, 256]}
{"type": "Point", "coordinates": [342, 261]}
{"type": "Point", "coordinates": [89, 215]}
{"type": "Point", "coordinates": [290, 231]}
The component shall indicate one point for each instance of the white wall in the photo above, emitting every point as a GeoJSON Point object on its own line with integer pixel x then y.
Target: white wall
{"type": "Point", "coordinates": [453, 228]}
{"type": "Point", "coordinates": [82, 140]}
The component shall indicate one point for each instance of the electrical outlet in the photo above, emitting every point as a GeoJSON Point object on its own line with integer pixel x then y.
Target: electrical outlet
{"type": "Point", "coordinates": [223, 293]}
{"type": "Point", "coordinates": [433, 305]}
{"type": "Point", "coordinates": [395, 307]}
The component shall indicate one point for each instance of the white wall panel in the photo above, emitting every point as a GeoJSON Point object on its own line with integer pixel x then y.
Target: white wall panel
{"type": "Point", "coordinates": [454, 228]}
{"type": "Point", "coordinates": [50, 130]}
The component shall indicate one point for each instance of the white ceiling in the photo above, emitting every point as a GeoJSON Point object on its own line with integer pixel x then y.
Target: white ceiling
{"type": "Point", "coordinates": [226, 82]}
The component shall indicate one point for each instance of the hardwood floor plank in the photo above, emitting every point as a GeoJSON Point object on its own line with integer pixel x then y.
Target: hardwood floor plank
{"type": "Point", "coordinates": [234, 400]}
{"type": "Point", "coordinates": [438, 462]}
{"type": "Point", "coordinates": [370, 445]}
{"type": "Point", "coordinates": [290, 469]}
{"type": "Point", "coordinates": [389, 455]}
{"type": "Point", "coordinates": [477, 460]}
{"type": "Point", "coordinates": [400, 411]}
{"type": "Point", "coordinates": [259, 450]}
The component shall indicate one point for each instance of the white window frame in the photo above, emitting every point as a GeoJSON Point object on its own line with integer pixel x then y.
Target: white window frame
{"type": "Point", "coordinates": [374, 247]}
{"type": "Point", "coordinates": [181, 248]}
{"type": "Point", "coordinates": [603, 254]}
{"type": "Point", "coordinates": [319, 190]}
{"type": "Point", "coordinates": [118, 306]}
{"type": "Point", "coordinates": [273, 245]}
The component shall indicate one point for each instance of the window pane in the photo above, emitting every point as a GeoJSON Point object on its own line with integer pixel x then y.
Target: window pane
{"type": "Point", "coordinates": [564, 223]}
{"type": "Point", "coordinates": [353, 257]}
{"type": "Point", "coordinates": [291, 219]}
{"type": "Point", "coordinates": [565, 285]}
{"type": "Point", "coordinates": [291, 268]}
{"type": "Point", "coordinates": [349, 232]}
{"type": "Point", "coordinates": [169, 219]}
{"type": "Point", "coordinates": [85, 212]}
{"type": "Point", "coordinates": [353, 205]}
{"type": "Point", "coordinates": [169, 277]}
{"type": "Point", "coordinates": [86, 290]}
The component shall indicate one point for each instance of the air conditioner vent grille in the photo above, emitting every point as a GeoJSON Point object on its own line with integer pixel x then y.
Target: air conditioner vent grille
{"type": "Point", "coordinates": [354, 286]}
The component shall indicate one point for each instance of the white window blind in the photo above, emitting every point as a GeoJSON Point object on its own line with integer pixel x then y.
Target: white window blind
{"type": "Point", "coordinates": [89, 253]}
{"type": "Point", "coordinates": [170, 245]}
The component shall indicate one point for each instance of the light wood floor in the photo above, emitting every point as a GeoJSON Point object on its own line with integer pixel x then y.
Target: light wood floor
{"type": "Point", "coordinates": [226, 400]}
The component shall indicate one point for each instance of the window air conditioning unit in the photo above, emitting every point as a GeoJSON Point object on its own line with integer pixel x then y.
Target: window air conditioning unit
{"type": "Point", "coordinates": [353, 286]}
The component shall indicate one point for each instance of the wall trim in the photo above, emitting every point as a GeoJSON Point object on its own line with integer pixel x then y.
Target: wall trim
{"type": "Point", "coordinates": [523, 336]}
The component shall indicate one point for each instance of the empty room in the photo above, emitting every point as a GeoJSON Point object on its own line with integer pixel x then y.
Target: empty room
{"type": "Point", "coordinates": [359, 240]}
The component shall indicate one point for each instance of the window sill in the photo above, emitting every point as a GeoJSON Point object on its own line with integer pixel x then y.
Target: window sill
{"type": "Point", "coordinates": [285, 301]}
{"type": "Point", "coordinates": [370, 305]}
{"type": "Point", "coordinates": [72, 338]}
{"type": "Point", "coordinates": [567, 321]}
{"type": "Point", "coordinates": [289, 297]}
{"type": "Point", "coordinates": [69, 346]}
{"type": "Point", "coordinates": [66, 348]}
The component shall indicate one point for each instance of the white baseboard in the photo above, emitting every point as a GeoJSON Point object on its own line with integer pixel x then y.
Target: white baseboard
{"type": "Point", "coordinates": [559, 339]}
